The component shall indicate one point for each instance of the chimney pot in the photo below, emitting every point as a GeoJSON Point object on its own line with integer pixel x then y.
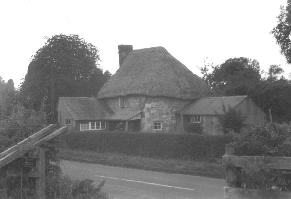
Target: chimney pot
{"type": "Point", "coordinates": [123, 51]}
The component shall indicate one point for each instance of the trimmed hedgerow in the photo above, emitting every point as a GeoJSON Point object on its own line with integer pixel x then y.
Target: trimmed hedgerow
{"type": "Point", "coordinates": [157, 145]}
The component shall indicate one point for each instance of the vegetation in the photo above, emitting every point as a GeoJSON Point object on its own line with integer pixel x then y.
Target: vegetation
{"type": "Point", "coordinates": [271, 140]}
{"type": "Point", "coordinates": [236, 76]}
{"type": "Point", "coordinates": [231, 120]}
{"type": "Point", "coordinates": [242, 76]}
{"type": "Point", "coordinates": [209, 168]}
{"type": "Point", "coordinates": [158, 145]}
{"type": "Point", "coordinates": [282, 31]}
{"type": "Point", "coordinates": [64, 66]}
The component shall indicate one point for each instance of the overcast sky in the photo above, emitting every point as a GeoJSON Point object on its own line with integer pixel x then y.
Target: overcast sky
{"type": "Point", "coordinates": [191, 31]}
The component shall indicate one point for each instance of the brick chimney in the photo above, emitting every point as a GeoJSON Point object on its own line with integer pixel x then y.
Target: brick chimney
{"type": "Point", "coordinates": [123, 51]}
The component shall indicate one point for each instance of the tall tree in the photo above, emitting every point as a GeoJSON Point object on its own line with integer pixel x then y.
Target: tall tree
{"type": "Point", "coordinates": [236, 76]}
{"type": "Point", "coordinates": [65, 66]}
{"type": "Point", "coordinates": [282, 31]}
{"type": "Point", "coordinates": [7, 98]}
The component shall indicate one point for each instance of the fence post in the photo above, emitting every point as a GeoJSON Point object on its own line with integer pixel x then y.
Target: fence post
{"type": "Point", "coordinates": [40, 185]}
{"type": "Point", "coordinates": [232, 173]}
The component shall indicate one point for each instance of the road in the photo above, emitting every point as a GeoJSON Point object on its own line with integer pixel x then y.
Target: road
{"type": "Point", "coordinates": [124, 183]}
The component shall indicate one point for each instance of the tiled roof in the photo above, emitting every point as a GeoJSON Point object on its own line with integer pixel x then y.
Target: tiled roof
{"type": "Point", "coordinates": [85, 108]}
{"type": "Point", "coordinates": [212, 105]}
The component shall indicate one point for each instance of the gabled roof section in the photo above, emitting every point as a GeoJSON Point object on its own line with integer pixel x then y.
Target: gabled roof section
{"type": "Point", "coordinates": [85, 108]}
{"type": "Point", "coordinates": [213, 105]}
{"type": "Point", "coordinates": [154, 72]}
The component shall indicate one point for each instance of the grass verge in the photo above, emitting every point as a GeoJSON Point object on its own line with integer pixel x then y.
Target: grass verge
{"type": "Point", "coordinates": [202, 168]}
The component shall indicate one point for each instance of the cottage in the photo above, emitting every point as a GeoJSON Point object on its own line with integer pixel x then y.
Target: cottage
{"type": "Point", "coordinates": [206, 111]}
{"type": "Point", "coordinates": [148, 93]}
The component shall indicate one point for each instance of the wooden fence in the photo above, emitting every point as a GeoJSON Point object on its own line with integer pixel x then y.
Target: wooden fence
{"type": "Point", "coordinates": [233, 166]}
{"type": "Point", "coordinates": [31, 154]}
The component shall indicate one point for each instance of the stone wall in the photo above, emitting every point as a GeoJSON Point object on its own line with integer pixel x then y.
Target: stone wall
{"type": "Point", "coordinates": [164, 110]}
{"type": "Point", "coordinates": [154, 109]}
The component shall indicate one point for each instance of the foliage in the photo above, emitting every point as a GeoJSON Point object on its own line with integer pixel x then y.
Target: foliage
{"type": "Point", "coordinates": [20, 124]}
{"type": "Point", "coordinates": [7, 98]}
{"type": "Point", "coordinates": [157, 145]}
{"type": "Point", "coordinates": [231, 120]}
{"type": "Point", "coordinates": [271, 140]}
{"type": "Point", "coordinates": [66, 188]}
{"type": "Point", "coordinates": [236, 76]}
{"type": "Point", "coordinates": [282, 31]}
{"type": "Point", "coordinates": [241, 76]}
{"type": "Point", "coordinates": [64, 66]}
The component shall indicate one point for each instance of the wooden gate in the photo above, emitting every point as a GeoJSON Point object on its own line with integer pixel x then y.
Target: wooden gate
{"type": "Point", "coordinates": [233, 165]}
{"type": "Point", "coordinates": [27, 159]}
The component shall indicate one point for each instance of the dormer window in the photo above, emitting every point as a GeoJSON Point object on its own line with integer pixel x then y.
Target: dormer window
{"type": "Point", "coordinates": [122, 102]}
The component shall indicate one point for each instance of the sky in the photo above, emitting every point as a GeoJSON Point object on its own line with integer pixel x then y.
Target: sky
{"type": "Point", "coordinates": [193, 31]}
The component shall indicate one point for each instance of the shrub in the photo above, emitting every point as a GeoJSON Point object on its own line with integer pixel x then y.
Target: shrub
{"type": "Point", "coordinates": [270, 140]}
{"type": "Point", "coordinates": [157, 145]}
{"type": "Point", "coordinates": [231, 120]}
{"type": "Point", "coordinates": [65, 188]}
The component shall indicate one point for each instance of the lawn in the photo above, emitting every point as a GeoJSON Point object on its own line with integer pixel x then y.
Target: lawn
{"type": "Point", "coordinates": [208, 168]}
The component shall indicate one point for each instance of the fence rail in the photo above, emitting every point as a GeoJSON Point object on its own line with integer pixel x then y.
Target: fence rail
{"type": "Point", "coordinates": [233, 165]}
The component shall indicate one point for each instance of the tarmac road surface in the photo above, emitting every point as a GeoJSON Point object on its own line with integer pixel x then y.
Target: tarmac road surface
{"type": "Point", "coordinates": [125, 183]}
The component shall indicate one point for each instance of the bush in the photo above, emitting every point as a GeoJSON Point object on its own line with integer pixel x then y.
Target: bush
{"type": "Point", "coordinates": [157, 145]}
{"type": "Point", "coordinates": [65, 188]}
{"type": "Point", "coordinates": [270, 140]}
{"type": "Point", "coordinates": [231, 120]}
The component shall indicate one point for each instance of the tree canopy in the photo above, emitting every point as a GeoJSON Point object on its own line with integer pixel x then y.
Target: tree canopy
{"type": "Point", "coordinates": [7, 98]}
{"type": "Point", "coordinates": [242, 76]}
{"type": "Point", "coordinates": [236, 76]}
{"type": "Point", "coordinates": [65, 66]}
{"type": "Point", "coordinates": [282, 31]}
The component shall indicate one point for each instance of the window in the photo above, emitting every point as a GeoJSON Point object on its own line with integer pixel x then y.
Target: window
{"type": "Point", "coordinates": [84, 126]}
{"type": "Point", "coordinates": [122, 102]}
{"type": "Point", "coordinates": [157, 126]}
{"type": "Point", "coordinates": [90, 126]}
{"type": "Point", "coordinates": [195, 119]}
{"type": "Point", "coordinates": [68, 121]}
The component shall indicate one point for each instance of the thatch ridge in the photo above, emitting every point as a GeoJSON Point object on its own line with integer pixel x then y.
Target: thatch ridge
{"type": "Point", "coordinates": [154, 72]}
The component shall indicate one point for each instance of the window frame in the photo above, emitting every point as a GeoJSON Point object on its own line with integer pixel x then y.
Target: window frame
{"type": "Point", "coordinates": [196, 119]}
{"type": "Point", "coordinates": [82, 124]}
{"type": "Point", "coordinates": [160, 124]}
{"type": "Point", "coordinates": [68, 121]}
{"type": "Point", "coordinates": [122, 102]}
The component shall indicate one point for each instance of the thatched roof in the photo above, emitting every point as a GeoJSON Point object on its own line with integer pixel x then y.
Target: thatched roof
{"type": "Point", "coordinates": [213, 105]}
{"type": "Point", "coordinates": [154, 72]}
{"type": "Point", "coordinates": [125, 114]}
{"type": "Point", "coordinates": [84, 108]}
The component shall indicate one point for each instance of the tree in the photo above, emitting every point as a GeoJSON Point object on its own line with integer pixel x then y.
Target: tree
{"type": "Point", "coordinates": [236, 76]}
{"type": "Point", "coordinates": [231, 120]}
{"type": "Point", "coordinates": [64, 66]}
{"type": "Point", "coordinates": [7, 98]}
{"type": "Point", "coordinates": [282, 31]}
{"type": "Point", "coordinates": [241, 76]}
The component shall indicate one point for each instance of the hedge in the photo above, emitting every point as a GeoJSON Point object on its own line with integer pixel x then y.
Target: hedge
{"type": "Point", "coordinates": [157, 145]}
